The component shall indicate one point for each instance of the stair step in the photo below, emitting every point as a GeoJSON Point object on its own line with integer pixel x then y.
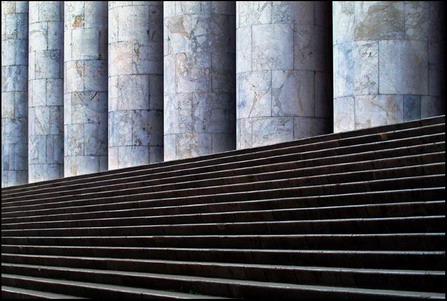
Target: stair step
{"type": "Point", "coordinates": [234, 288]}
{"type": "Point", "coordinates": [324, 212]}
{"type": "Point", "coordinates": [389, 241]}
{"type": "Point", "coordinates": [93, 289]}
{"type": "Point", "coordinates": [408, 146]}
{"type": "Point", "coordinates": [404, 166]}
{"type": "Point", "coordinates": [429, 260]}
{"type": "Point", "coordinates": [336, 226]}
{"type": "Point", "coordinates": [172, 206]}
{"type": "Point", "coordinates": [241, 192]}
{"type": "Point", "coordinates": [9, 292]}
{"type": "Point", "coordinates": [379, 134]}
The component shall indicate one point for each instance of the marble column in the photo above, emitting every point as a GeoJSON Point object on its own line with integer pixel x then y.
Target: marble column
{"type": "Point", "coordinates": [388, 62]}
{"type": "Point", "coordinates": [14, 93]}
{"type": "Point", "coordinates": [46, 91]}
{"type": "Point", "coordinates": [283, 68]}
{"type": "Point", "coordinates": [135, 83]}
{"type": "Point", "coordinates": [199, 81]}
{"type": "Point", "coordinates": [85, 87]}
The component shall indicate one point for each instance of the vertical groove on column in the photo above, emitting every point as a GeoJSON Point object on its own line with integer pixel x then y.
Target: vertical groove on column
{"type": "Point", "coordinates": [388, 62]}
{"type": "Point", "coordinates": [85, 87]}
{"type": "Point", "coordinates": [46, 91]}
{"type": "Point", "coordinates": [14, 93]}
{"type": "Point", "coordinates": [283, 71]}
{"type": "Point", "coordinates": [199, 83]}
{"type": "Point", "coordinates": [135, 83]}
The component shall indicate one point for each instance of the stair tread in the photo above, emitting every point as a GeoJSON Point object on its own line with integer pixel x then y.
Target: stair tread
{"type": "Point", "coordinates": [143, 291]}
{"type": "Point", "coordinates": [250, 179]}
{"type": "Point", "coordinates": [39, 294]}
{"type": "Point", "coordinates": [346, 290]}
{"type": "Point", "coordinates": [244, 265]}
{"type": "Point", "coordinates": [233, 213]}
{"type": "Point", "coordinates": [247, 191]}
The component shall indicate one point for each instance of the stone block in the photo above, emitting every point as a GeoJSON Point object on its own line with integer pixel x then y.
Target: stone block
{"type": "Point", "coordinates": [344, 114]}
{"type": "Point", "coordinates": [254, 98]}
{"type": "Point", "coordinates": [304, 127]}
{"type": "Point", "coordinates": [293, 93]}
{"type": "Point", "coordinates": [377, 110]}
{"type": "Point", "coordinates": [403, 67]}
{"type": "Point", "coordinates": [272, 47]}
{"type": "Point", "coordinates": [411, 107]}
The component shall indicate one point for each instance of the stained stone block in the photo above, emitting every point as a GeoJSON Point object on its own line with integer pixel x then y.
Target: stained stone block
{"type": "Point", "coordinates": [310, 47]}
{"type": "Point", "coordinates": [199, 82]}
{"type": "Point", "coordinates": [412, 107]}
{"type": "Point", "coordinates": [308, 127]}
{"type": "Point", "coordinates": [271, 130]}
{"type": "Point", "coordinates": [377, 110]}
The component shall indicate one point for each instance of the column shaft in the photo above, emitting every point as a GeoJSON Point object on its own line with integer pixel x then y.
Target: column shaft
{"type": "Point", "coordinates": [14, 93]}
{"type": "Point", "coordinates": [46, 91]}
{"type": "Point", "coordinates": [283, 69]}
{"type": "Point", "coordinates": [135, 83]}
{"type": "Point", "coordinates": [388, 62]}
{"type": "Point", "coordinates": [85, 87]}
{"type": "Point", "coordinates": [199, 83]}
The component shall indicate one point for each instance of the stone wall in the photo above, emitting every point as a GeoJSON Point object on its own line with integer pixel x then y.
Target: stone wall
{"type": "Point", "coordinates": [388, 62]}
{"type": "Point", "coordinates": [135, 83]}
{"type": "Point", "coordinates": [46, 91]}
{"type": "Point", "coordinates": [283, 71]}
{"type": "Point", "coordinates": [14, 93]}
{"type": "Point", "coordinates": [199, 84]}
{"type": "Point", "coordinates": [85, 87]}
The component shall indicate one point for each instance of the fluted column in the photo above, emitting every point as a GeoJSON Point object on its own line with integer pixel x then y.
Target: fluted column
{"type": "Point", "coordinates": [388, 62]}
{"type": "Point", "coordinates": [46, 91]}
{"type": "Point", "coordinates": [283, 69]}
{"type": "Point", "coordinates": [135, 83]}
{"type": "Point", "coordinates": [14, 93]}
{"type": "Point", "coordinates": [199, 84]}
{"type": "Point", "coordinates": [85, 87]}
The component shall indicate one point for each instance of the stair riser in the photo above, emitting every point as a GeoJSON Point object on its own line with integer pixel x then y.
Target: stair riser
{"type": "Point", "coordinates": [415, 146]}
{"type": "Point", "coordinates": [325, 141]}
{"type": "Point", "coordinates": [432, 194]}
{"type": "Point", "coordinates": [363, 280]}
{"type": "Point", "coordinates": [280, 189]}
{"type": "Point", "coordinates": [420, 242]}
{"type": "Point", "coordinates": [330, 227]}
{"type": "Point", "coordinates": [395, 210]}
{"type": "Point", "coordinates": [292, 169]}
{"type": "Point", "coordinates": [425, 261]}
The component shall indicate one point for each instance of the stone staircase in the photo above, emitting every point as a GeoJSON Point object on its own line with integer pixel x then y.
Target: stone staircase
{"type": "Point", "coordinates": [349, 215]}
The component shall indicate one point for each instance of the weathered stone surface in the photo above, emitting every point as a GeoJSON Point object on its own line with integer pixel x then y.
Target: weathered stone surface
{"type": "Point", "coordinates": [14, 63]}
{"type": "Point", "coordinates": [85, 87]}
{"type": "Point", "coordinates": [282, 53]}
{"type": "Point", "coordinates": [384, 52]}
{"type": "Point", "coordinates": [135, 83]}
{"type": "Point", "coordinates": [45, 90]}
{"type": "Point", "coordinates": [199, 82]}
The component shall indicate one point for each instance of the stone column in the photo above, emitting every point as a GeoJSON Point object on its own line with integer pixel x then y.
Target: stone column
{"type": "Point", "coordinates": [388, 62]}
{"type": "Point", "coordinates": [135, 83]}
{"type": "Point", "coordinates": [199, 83]}
{"type": "Point", "coordinates": [283, 69]}
{"type": "Point", "coordinates": [46, 91]}
{"type": "Point", "coordinates": [14, 93]}
{"type": "Point", "coordinates": [85, 87]}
